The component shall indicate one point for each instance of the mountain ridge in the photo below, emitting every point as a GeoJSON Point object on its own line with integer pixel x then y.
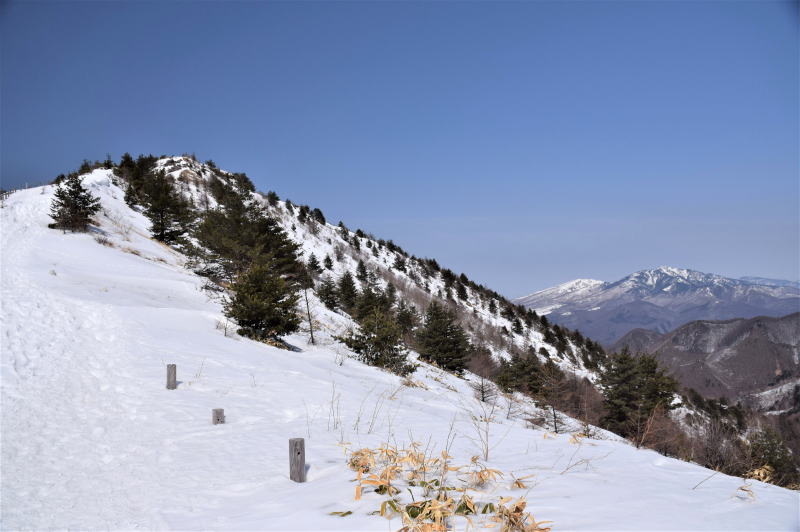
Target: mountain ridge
{"type": "Point", "coordinates": [659, 299]}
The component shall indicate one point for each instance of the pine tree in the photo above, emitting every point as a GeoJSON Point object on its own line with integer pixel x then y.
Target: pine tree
{"type": "Point", "coordinates": [318, 216]}
{"type": "Point", "coordinates": [492, 307]}
{"type": "Point", "coordinates": [407, 318]}
{"type": "Point", "coordinates": [442, 340]}
{"type": "Point", "coordinates": [240, 234]}
{"type": "Point", "coordinates": [168, 212]}
{"type": "Point", "coordinates": [313, 265]}
{"type": "Point", "coordinates": [361, 272]}
{"type": "Point", "coordinates": [272, 198]}
{"type": "Point", "coordinates": [633, 388]}
{"type": "Point", "coordinates": [618, 382]}
{"type": "Point", "coordinates": [347, 292]}
{"type": "Point", "coordinates": [327, 293]}
{"type": "Point", "coordinates": [328, 263]}
{"type": "Point", "coordinates": [378, 342]}
{"type": "Point", "coordinates": [263, 303]}
{"type": "Point", "coordinates": [73, 206]}
{"type": "Point", "coordinates": [399, 263]}
{"type": "Point", "coordinates": [461, 292]}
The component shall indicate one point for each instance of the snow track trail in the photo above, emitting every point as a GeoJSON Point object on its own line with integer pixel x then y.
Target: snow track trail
{"type": "Point", "coordinates": [92, 440]}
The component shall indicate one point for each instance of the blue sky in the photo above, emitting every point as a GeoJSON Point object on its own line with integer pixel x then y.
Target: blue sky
{"type": "Point", "coordinates": [524, 143]}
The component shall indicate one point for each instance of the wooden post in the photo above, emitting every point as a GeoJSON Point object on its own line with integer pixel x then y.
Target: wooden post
{"type": "Point", "coordinates": [172, 383]}
{"type": "Point", "coordinates": [297, 459]}
{"type": "Point", "coordinates": [218, 416]}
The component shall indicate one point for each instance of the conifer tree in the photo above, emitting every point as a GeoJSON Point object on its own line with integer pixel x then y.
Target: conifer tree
{"type": "Point", "coordinates": [347, 292]}
{"type": "Point", "coordinates": [442, 340]}
{"type": "Point", "coordinates": [168, 212]}
{"type": "Point", "coordinates": [272, 198]}
{"type": "Point", "coordinates": [263, 303]}
{"type": "Point", "coordinates": [361, 272]}
{"type": "Point", "coordinates": [327, 293]}
{"type": "Point", "coordinates": [461, 292]}
{"type": "Point", "coordinates": [492, 307]}
{"type": "Point", "coordinates": [328, 263]}
{"type": "Point", "coordinates": [313, 265]}
{"type": "Point", "coordinates": [378, 342]}
{"type": "Point", "coordinates": [407, 318]}
{"type": "Point", "coordinates": [318, 216]}
{"type": "Point", "coordinates": [240, 234]}
{"type": "Point", "coordinates": [73, 206]}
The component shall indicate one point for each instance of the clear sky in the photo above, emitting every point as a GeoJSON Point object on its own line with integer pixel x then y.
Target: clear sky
{"type": "Point", "coordinates": [523, 143]}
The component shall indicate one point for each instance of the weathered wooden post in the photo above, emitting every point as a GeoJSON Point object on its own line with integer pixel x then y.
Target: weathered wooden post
{"type": "Point", "coordinates": [172, 383]}
{"type": "Point", "coordinates": [297, 459]}
{"type": "Point", "coordinates": [218, 416]}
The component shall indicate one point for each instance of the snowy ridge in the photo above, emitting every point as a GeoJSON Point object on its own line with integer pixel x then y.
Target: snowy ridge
{"type": "Point", "coordinates": [659, 299]}
{"type": "Point", "coordinates": [92, 440]}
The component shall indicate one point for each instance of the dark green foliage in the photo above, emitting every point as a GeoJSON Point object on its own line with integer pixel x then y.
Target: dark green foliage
{"type": "Point", "coordinates": [492, 307]}
{"type": "Point", "coordinates": [399, 263]}
{"type": "Point", "coordinates": [633, 387]}
{"type": "Point", "coordinates": [313, 265]}
{"type": "Point", "coordinates": [378, 342]}
{"type": "Point", "coordinates": [240, 234]}
{"type": "Point", "coordinates": [516, 326]}
{"type": "Point", "coordinates": [302, 213]}
{"type": "Point", "coordinates": [767, 448]}
{"type": "Point", "coordinates": [272, 198]}
{"type": "Point", "coordinates": [328, 263]}
{"type": "Point", "coordinates": [328, 293]}
{"type": "Point", "coordinates": [318, 216]}
{"type": "Point", "coordinates": [407, 318]}
{"type": "Point", "coordinates": [461, 291]}
{"type": "Point", "coordinates": [442, 340]}
{"type": "Point", "coordinates": [169, 213]}
{"type": "Point", "coordinates": [263, 303]}
{"type": "Point", "coordinates": [521, 373]}
{"type": "Point", "coordinates": [73, 206]}
{"type": "Point", "coordinates": [361, 272]}
{"type": "Point", "coordinates": [347, 292]}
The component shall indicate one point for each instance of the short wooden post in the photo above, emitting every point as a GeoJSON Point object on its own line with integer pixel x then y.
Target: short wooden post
{"type": "Point", "coordinates": [172, 383]}
{"type": "Point", "coordinates": [218, 416]}
{"type": "Point", "coordinates": [297, 459]}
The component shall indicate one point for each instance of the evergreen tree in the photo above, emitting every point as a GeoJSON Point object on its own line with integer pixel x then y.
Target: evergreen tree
{"type": "Point", "coordinates": [361, 272]}
{"type": "Point", "coordinates": [272, 198]}
{"type": "Point", "coordinates": [328, 263]}
{"type": "Point", "coordinates": [347, 292]}
{"type": "Point", "coordinates": [633, 387]}
{"type": "Point", "coordinates": [327, 293]}
{"type": "Point", "coordinates": [399, 263]}
{"type": "Point", "coordinates": [313, 265]}
{"type": "Point", "coordinates": [318, 216]}
{"type": "Point", "coordinates": [407, 318]}
{"type": "Point", "coordinates": [442, 340]}
{"type": "Point", "coordinates": [492, 307]}
{"type": "Point", "coordinates": [263, 303]}
{"type": "Point", "coordinates": [73, 206]}
{"type": "Point", "coordinates": [378, 343]}
{"type": "Point", "coordinates": [239, 234]}
{"type": "Point", "coordinates": [168, 212]}
{"type": "Point", "coordinates": [618, 382]}
{"type": "Point", "coordinates": [461, 292]}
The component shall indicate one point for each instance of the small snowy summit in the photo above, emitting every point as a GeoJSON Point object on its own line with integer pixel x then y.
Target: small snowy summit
{"type": "Point", "coordinates": [660, 299]}
{"type": "Point", "coordinates": [92, 439]}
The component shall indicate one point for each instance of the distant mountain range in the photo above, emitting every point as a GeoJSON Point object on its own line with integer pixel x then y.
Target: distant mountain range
{"type": "Point", "coordinates": [732, 358]}
{"type": "Point", "coordinates": [660, 300]}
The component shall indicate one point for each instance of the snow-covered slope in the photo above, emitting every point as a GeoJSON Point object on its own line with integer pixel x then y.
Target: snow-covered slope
{"type": "Point", "coordinates": [659, 299]}
{"type": "Point", "coordinates": [91, 439]}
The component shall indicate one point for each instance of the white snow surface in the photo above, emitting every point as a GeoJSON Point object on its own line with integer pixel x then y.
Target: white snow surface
{"type": "Point", "coordinates": [91, 439]}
